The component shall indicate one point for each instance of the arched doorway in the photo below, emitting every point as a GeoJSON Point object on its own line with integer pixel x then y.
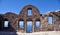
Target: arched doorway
{"type": "Point", "coordinates": [29, 27]}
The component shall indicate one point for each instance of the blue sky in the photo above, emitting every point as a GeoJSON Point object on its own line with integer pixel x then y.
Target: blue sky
{"type": "Point", "coordinates": [16, 6]}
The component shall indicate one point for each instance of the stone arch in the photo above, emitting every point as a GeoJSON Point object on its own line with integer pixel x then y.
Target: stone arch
{"type": "Point", "coordinates": [22, 21]}
{"type": "Point", "coordinates": [11, 18]}
{"type": "Point", "coordinates": [51, 19]}
{"type": "Point", "coordinates": [29, 19]}
{"type": "Point", "coordinates": [35, 11]}
{"type": "Point", "coordinates": [20, 28]}
{"type": "Point", "coordinates": [10, 15]}
{"type": "Point", "coordinates": [52, 26]}
{"type": "Point", "coordinates": [29, 25]}
{"type": "Point", "coordinates": [9, 28]}
{"type": "Point", "coordinates": [39, 22]}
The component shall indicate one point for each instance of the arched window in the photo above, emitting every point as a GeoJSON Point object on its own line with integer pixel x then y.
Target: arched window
{"type": "Point", "coordinates": [29, 12]}
{"type": "Point", "coordinates": [50, 20]}
{"type": "Point", "coordinates": [21, 23]}
{"type": "Point", "coordinates": [6, 23]}
{"type": "Point", "coordinates": [38, 24]}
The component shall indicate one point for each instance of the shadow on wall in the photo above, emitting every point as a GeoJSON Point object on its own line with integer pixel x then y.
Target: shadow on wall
{"type": "Point", "coordinates": [6, 30]}
{"type": "Point", "coordinates": [8, 33]}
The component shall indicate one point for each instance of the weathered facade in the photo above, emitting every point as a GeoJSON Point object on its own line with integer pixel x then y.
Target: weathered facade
{"type": "Point", "coordinates": [36, 16]}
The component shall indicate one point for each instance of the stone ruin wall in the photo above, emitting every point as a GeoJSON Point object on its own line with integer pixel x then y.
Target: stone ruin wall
{"type": "Point", "coordinates": [43, 18]}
